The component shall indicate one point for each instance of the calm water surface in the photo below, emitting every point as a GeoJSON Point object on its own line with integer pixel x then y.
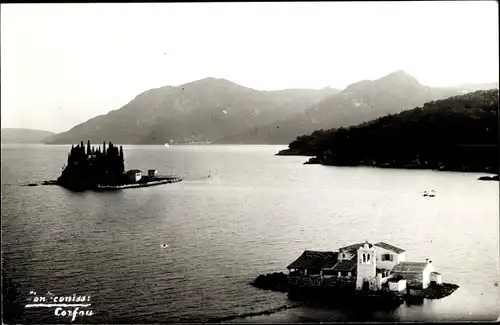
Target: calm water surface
{"type": "Point", "coordinates": [240, 212]}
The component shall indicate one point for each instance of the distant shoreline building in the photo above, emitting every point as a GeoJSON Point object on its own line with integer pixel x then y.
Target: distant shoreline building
{"type": "Point", "coordinates": [134, 175]}
{"type": "Point", "coordinates": [152, 173]}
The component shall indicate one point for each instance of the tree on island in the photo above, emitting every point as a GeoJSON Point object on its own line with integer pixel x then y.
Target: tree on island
{"type": "Point", "coordinates": [87, 168]}
{"type": "Point", "coordinates": [121, 161]}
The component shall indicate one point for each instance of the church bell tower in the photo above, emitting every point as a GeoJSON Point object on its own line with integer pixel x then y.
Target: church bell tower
{"type": "Point", "coordinates": [366, 268]}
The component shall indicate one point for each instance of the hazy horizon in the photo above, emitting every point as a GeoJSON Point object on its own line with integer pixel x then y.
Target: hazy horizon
{"type": "Point", "coordinates": [63, 64]}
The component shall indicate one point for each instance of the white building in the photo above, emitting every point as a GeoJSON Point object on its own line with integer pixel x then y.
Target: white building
{"type": "Point", "coordinates": [415, 273]}
{"type": "Point", "coordinates": [377, 264]}
{"type": "Point", "coordinates": [436, 277]}
{"type": "Point", "coordinates": [397, 285]}
{"type": "Point", "coordinates": [388, 256]}
{"type": "Point", "coordinates": [134, 175]}
{"type": "Point", "coordinates": [371, 267]}
{"type": "Point", "coordinates": [366, 268]}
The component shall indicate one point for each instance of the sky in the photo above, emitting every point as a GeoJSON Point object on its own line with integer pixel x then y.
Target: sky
{"type": "Point", "coordinates": [62, 64]}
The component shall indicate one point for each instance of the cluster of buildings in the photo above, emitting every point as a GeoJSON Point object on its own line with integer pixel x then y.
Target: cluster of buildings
{"type": "Point", "coordinates": [369, 267]}
{"type": "Point", "coordinates": [135, 175]}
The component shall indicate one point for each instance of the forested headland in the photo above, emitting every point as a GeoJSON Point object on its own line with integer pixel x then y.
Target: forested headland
{"type": "Point", "coordinates": [459, 133]}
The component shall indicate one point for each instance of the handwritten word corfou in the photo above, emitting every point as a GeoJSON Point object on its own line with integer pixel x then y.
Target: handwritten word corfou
{"type": "Point", "coordinates": [59, 311]}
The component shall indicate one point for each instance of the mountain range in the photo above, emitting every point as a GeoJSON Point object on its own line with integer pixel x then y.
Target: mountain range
{"type": "Point", "coordinates": [219, 111]}
{"type": "Point", "coordinates": [360, 102]}
{"type": "Point", "coordinates": [201, 111]}
{"type": "Point", "coordinates": [19, 135]}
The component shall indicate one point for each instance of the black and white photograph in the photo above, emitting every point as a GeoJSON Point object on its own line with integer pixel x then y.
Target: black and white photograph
{"type": "Point", "coordinates": [250, 162]}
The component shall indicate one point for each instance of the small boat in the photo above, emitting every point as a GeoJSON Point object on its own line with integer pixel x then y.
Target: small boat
{"type": "Point", "coordinates": [431, 194]}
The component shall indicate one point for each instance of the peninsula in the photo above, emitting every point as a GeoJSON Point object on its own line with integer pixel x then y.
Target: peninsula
{"type": "Point", "coordinates": [459, 133]}
{"type": "Point", "coordinates": [91, 168]}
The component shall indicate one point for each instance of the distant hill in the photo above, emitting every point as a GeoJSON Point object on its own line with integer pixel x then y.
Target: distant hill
{"type": "Point", "coordinates": [459, 133]}
{"type": "Point", "coordinates": [467, 88]}
{"type": "Point", "coordinates": [359, 102]}
{"type": "Point", "coordinates": [200, 111]}
{"type": "Point", "coordinates": [17, 135]}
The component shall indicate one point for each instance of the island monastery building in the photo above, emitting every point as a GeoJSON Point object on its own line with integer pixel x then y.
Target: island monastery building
{"type": "Point", "coordinates": [369, 267]}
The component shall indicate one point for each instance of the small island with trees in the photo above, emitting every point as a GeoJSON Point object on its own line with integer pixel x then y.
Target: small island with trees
{"type": "Point", "coordinates": [91, 168]}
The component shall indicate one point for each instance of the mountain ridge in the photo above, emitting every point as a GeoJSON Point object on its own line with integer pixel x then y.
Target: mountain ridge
{"type": "Point", "coordinates": [358, 102]}
{"type": "Point", "coordinates": [24, 135]}
{"type": "Point", "coordinates": [217, 110]}
{"type": "Point", "coordinates": [202, 110]}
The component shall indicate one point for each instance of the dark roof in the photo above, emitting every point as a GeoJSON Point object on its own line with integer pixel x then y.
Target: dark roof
{"type": "Point", "coordinates": [410, 267]}
{"type": "Point", "coordinates": [395, 278]}
{"type": "Point", "coordinates": [315, 260]}
{"type": "Point", "coordinates": [134, 171]}
{"type": "Point", "coordinates": [345, 266]}
{"type": "Point", "coordinates": [391, 248]}
{"type": "Point", "coordinates": [354, 247]}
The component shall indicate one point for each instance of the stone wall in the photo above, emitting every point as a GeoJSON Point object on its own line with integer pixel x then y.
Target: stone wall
{"type": "Point", "coordinates": [316, 281]}
{"type": "Point", "coordinates": [413, 279]}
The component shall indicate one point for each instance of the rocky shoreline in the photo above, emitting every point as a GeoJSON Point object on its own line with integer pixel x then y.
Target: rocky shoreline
{"type": "Point", "coordinates": [489, 178]}
{"type": "Point", "coordinates": [51, 182]}
{"type": "Point", "coordinates": [397, 165]}
{"type": "Point", "coordinates": [159, 181]}
{"type": "Point", "coordinates": [279, 281]}
{"type": "Point", "coordinates": [290, 152]}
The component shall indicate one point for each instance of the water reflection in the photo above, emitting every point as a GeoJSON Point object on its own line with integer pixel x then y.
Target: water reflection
{"type": "Point", "coordinates": [342, 306]}
{"type": "Point", "coordinates": [414, 301]}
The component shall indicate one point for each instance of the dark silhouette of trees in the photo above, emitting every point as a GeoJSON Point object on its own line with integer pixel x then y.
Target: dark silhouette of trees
{"type": "Point", "coordinates": [121, 161]}
{"type": "Point", "coordinates": [86, 170]}
{"type": "Point", "coordinates": [459, 133]}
